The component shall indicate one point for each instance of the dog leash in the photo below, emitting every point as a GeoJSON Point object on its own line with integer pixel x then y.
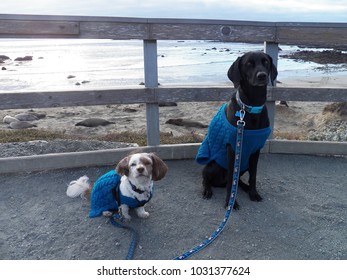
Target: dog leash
{"type": "Point", "coordinates": [116, 221]}
{"type": "Point", "coordinates": [236, 174]}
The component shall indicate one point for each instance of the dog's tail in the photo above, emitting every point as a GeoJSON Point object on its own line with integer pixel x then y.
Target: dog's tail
{"type": "Point", "coordinates": [80, 187]}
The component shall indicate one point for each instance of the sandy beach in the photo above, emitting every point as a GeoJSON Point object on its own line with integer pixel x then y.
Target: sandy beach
{"type": "Point", "coordinates": [290, 122]}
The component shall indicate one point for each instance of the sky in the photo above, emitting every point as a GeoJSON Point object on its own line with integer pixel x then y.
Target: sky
{"type": "Point", "coordinates": [249, 10]}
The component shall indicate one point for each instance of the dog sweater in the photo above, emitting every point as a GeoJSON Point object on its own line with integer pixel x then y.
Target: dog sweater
{"type": "Point", "coordinates": [220, 133]}
{"type": "Point", "coordinates": [103, 199]}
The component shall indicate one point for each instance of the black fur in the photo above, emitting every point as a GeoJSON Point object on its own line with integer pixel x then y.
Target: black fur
{"type": "Point", "coordinates": [250, 73]}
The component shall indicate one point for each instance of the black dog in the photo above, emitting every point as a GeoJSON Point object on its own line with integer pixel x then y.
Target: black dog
{"type": "Point", "coordinates": [250, 74]}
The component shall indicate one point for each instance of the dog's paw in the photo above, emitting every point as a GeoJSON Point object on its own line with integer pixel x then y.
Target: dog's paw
{"type": "Point", "coordinates": [141, 213]}
{"type": "Point", "coordinates": [207, 194]}
{"type": "Point", "coordinates": [126, 218]}
{"type": "Point", "coordinates": [107, 214]}
{"type": "Point", "coordinates": [235, 207]}
{"type": "Point", "coordinates": [255, 196]}
{"type": "Point", "coordinates": [144, 215]}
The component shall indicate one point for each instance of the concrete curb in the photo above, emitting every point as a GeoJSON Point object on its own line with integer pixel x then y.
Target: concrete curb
{"type": "Point", "coordinates": [166, 152]}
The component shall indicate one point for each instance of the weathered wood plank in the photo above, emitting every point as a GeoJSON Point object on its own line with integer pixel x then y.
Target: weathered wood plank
{"type": "Point", "coordinates": [272, 50]}
{"type": "Point", "coordinates": [312, 36]}
{"type": "Point", "coordinates": [230, 33]}
{"type": "Point", "coordinates": [75, 98]}
{"type": "Point", "coordinates": [193, 94]}
{"type": "Point", "coordinates": [151, 81]}
{"type": "Point", "coordinates": [308, 94]}
{"type": "Point", "coordinates": [114, 30]}
{"type": "Point", "coordinates": [161, 94]}
{"type": "Point", "coordinates": [40, 28]}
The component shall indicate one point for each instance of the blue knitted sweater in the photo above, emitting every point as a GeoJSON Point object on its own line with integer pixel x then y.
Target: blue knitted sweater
{"type": "Point", "coordinates": [220, 133]}
{"type": "Point", "coordinates": [102, 198]}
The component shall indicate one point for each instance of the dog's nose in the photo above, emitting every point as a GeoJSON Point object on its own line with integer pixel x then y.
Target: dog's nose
{"type": "Point", "coordinates": [261, 76]}
{"type": "Point", "coordinates": [140, 169]}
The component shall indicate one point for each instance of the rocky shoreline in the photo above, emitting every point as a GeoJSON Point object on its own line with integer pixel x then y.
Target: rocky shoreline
{"type": "Point", "coordinates": [320, 57]}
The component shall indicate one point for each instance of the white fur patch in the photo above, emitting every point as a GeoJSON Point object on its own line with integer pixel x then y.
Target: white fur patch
{"type": "Point", "coordinates": [78, 187]}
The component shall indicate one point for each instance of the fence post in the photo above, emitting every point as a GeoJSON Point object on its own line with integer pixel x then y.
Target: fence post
{"type": "Point", "coordinates": [272, 49]}
{"type": "Point", "coordinates": [151, 81]}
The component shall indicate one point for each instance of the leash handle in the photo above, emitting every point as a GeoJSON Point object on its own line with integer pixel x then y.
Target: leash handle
{"type": "Point", "coordinates": [236, 174]}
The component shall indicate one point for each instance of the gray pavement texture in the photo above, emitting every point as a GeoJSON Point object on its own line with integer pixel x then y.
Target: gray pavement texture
{"type": "Point", "coordinates": [302, 215]}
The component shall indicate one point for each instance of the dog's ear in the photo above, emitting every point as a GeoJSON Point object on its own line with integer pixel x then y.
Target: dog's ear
{"type": "Point", "coordinates": [234, 73]}
{"type": "Point", "coordinates": [159, 168]}
{"type": "Point", "coordinates": [273, 71]}
{"type": "Point", "coordinates": [122, 167]}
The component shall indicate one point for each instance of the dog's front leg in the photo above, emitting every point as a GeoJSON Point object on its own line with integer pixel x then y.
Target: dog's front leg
{"type": "Point", "coordinates": [141, 212]}
{"type": "Point", "coordinates": [253, 165]}
{"type": "Point", "coordinates": [125, 212]}
{"type": "Point", "coordinates": [231, 159]}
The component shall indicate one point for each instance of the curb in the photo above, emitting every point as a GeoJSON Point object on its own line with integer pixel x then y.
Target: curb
{"type": "Point", "coordinates": [166, 152]}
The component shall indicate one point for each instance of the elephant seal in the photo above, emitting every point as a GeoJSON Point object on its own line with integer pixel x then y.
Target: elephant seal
{"type": "Point", "coordinates": [186, 123]}
{"type": "Point", "coordinates": [21, 125]}
{"type": "Point", "coordinates": [93, 122]}
{"type": "Point", "coordinates": [28, 117]}
{"type": "Point", "coordinates": [8, 119]}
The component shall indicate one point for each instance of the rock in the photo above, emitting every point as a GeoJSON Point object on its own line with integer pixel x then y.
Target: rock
{"type": "Point", "coordinates": [321, 57]}
{"type": "Point", "coordinates": [3, 68]}
{"type": "Point", "coordinates": [71, 76]}
{"type": "Point", "coordinates": [4, 57]}
{"type": "Point", "coordinates": [334, 130]}
{"type": "Point", "coordinates": [21, 125]}
{"type": "Point", "coordinates": [25, 58]}
{"type": "Point", "coordinates": [93, 122]}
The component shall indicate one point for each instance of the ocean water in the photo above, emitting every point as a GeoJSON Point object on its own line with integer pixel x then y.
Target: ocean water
{"type": "Point", "coordinates": [102, 64]}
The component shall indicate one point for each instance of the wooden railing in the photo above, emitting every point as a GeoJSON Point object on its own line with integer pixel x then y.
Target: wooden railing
{"type": "Point", "coordinates": [152, 30]}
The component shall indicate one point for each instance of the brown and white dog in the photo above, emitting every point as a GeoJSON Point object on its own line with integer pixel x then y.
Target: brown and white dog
{"type": "Point", "coordinates": [130, 186]}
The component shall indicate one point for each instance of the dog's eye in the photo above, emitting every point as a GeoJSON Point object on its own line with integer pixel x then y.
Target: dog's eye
{"type": "Point", "coordinates": [133, 164]}
{"type": "Point", "coordinates": [266, 62]}
{"type": "Point", "coordinates": [250, 63]}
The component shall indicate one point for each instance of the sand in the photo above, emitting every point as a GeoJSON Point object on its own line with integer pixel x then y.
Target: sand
{"type": "Point", "coordinates": [297, 119]}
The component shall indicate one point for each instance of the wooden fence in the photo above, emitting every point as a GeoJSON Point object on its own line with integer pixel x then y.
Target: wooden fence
{"type": "Point", "coordinates": [150, 31]}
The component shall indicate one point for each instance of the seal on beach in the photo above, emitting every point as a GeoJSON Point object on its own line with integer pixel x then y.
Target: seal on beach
{"type": "Point", "coordinates": [21, 125]}
{"type": "Point", "coordinates": [28, 117]}
{"type": "Point", "coordinates": [93, 122]}
{"type": "Point", "coordinates": [8, 119]}
{"type": "Point", "coordinates": [186, 123]}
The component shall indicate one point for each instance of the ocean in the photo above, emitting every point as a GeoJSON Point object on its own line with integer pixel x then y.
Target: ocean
{"type": "Point", "coordinates": [85, 64]}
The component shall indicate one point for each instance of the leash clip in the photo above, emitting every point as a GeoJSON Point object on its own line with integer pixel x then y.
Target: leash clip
{"type": "Point", "coordinates": [242, 115]}
{"type": "Point", "coordinates": [118, 215]}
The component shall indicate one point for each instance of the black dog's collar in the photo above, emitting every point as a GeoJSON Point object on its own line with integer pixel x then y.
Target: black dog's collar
{"type": "Point", "coordinates": [248, 108]}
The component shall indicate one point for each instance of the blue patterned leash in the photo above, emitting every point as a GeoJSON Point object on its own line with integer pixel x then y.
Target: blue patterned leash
{"type": "Point", "coordinates": [114, 221]}
{"type": "Point", "coordinates": [236, 174]}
